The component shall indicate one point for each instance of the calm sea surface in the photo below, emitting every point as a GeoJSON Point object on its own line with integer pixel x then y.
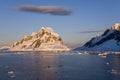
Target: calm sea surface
{"type": "Point", "coordinates": [58, 66]}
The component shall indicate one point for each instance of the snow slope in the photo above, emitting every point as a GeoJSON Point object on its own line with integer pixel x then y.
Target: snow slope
{"type": "Point", "coordinates": [109, 40]}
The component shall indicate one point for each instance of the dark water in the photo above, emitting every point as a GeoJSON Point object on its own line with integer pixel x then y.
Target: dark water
{"type": "Point", "coordinates": [58, 66]}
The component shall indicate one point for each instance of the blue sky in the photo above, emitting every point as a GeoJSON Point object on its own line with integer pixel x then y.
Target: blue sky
{"type": "Point", "coordinates": [87, 15]}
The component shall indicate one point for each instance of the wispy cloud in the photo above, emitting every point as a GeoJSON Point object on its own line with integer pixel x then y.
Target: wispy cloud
{"type": "Point", "coordinates": [91, 31]}
{"type": "Point", "coordinates": [53, 10]}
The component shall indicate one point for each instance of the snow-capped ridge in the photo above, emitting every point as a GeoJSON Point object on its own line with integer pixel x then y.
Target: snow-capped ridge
{"type": "Point", "coordinates": [116, 26]}
{"type": "Point", "coordinates": [47, 29]}
{"type": "Point", "coordinates": [33, 33]}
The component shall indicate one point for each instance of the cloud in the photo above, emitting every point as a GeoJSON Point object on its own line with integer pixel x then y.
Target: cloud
{"type": "Point", "coordinates": [53, 10]}
{"type": "Point", "coordinates": [91, 31]}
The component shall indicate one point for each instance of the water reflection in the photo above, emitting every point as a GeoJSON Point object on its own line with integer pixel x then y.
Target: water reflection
{"type": "Point", "coordinates": [59, 66]}
{"type": "Point", "coordinates": [40, 67]}
{"type": "Point", "coordinates": [115, 66]}
{"type": "Point", "coordinates": [49, 67]}
{"type": "Point", "coordinates": [35, 66]}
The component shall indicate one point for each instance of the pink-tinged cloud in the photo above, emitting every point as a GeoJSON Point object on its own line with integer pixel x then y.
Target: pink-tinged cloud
{"type": "Point", "coordinates": [53, 10]}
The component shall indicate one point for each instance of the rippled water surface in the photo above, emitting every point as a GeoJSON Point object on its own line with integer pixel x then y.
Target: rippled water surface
{"type": "Point", "coordinates": [59, 66]}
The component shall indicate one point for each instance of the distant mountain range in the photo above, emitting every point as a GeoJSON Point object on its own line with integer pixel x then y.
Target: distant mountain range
{"type": "Point", "coordinates": [44, 40]}
{"type": "Point", "coordinates": [109, 40]}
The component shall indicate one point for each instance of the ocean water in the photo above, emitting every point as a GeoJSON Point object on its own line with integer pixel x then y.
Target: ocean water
{"type": "Point", "coordinates": [59, 66]}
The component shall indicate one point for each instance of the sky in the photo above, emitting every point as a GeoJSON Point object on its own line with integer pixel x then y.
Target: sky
{"type": "Point", "coordinates": [75, 20]}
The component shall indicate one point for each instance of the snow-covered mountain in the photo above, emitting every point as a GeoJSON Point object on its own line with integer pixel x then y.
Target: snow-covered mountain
{"type": "Point", "coordinates": [109, 40]}
{"type": "Point", "coordinates": [45, 39]}
{"type": "Point", "coordinates": [4, 48]}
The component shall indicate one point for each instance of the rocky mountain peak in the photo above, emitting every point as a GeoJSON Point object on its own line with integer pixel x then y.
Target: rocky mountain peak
{"type": "Point", "coordinates": [46, 36]}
